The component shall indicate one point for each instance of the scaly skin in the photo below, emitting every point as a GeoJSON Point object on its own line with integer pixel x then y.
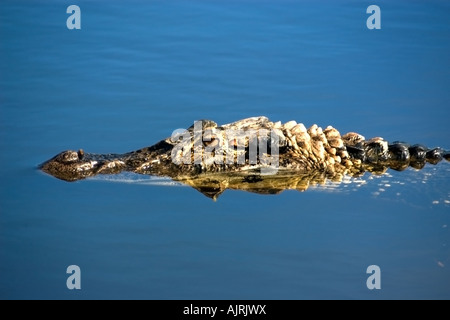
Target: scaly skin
{"type": "Point", "coordinates": [304, 155]}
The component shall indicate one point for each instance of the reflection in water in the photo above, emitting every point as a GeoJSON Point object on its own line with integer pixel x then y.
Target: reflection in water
{"type": "Point", "coordinates": [376, 183]}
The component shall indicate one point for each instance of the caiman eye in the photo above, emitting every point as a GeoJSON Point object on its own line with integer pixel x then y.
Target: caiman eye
{"type": "Point", "coordinates": [68, 157]}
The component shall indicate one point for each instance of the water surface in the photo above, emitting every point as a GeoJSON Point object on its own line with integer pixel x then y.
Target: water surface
{"type": "Point", "coordinates": [137, 71]}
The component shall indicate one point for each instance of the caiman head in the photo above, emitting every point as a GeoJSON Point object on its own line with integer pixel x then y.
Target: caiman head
{"type": "Point", "coordinates": [67, 165]}
{"type": "Point", "coordinates": [76, 165]}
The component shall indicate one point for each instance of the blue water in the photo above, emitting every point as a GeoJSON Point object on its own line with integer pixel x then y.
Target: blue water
{"type": "Point", "coordinates": [137, 71]}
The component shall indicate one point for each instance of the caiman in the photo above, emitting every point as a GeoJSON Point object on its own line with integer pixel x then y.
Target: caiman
{"type": "Point", "coordinates": [252, 154]}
